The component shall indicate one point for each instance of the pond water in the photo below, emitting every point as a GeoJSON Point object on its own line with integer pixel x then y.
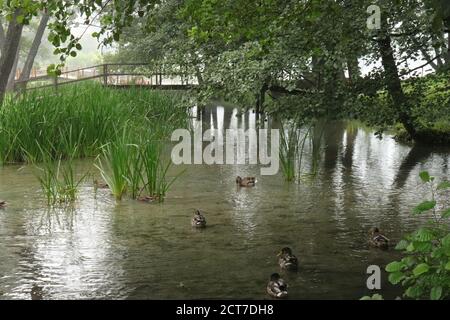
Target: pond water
{"type": "Point", "coordinates": [100, 249]}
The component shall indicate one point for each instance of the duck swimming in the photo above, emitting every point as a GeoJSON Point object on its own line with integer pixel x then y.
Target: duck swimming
{"type": "Point", "coordinates": [376, 239]}
{"type": "Point", "coordinates": [276, 287]}
{"type": "Point", "coordinates": [246, 182]}
{"type": "Point", "coordinates": [2, 204]}
{"type": "Point", "coordinates": [100, 185]}
{"type": "Point", "coordinates": [147, 198]}
{"type": "Point", "coordinates": [287, 260]}
{"type": "Point", "coordinates": [198, 221]}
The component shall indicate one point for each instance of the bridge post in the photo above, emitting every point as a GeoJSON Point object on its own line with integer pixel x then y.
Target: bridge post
{"type": "Point", "coordinates": [55, 82]}
{"type": "Point", "coordinates": [105, 75]}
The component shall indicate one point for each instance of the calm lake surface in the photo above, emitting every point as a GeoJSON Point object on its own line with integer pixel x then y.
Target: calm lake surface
{"type": "Point", "coordinates": [100, 249]}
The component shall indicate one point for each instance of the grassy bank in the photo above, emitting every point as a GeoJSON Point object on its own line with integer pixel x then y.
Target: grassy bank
{"type": "Point", "coordinates": [125, 132]}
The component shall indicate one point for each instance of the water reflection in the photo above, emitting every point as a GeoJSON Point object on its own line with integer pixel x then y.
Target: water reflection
{"type": "Point", "coordinates": [100, 249]}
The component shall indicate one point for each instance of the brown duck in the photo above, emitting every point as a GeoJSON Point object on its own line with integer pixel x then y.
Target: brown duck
{"type": "Point", "coordinates": [246, 181]}
{"type": "Point", "coordinates": [276, 287]}
{"type": "Point", "coordinates": [2, 204]}
{"type": "Point", "coordinates": [199, 220]}
{"type": "Point", "coordinates": [376, 239]}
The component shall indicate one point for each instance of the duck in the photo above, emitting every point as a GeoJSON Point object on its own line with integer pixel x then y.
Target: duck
{"type": "Point", "coordinates": [100, 185]}
{"type": "Point", "coordinates": [378, 240]}
{"type": "Point", "coordinates": [147, 198]}
{"type": "Point", "coordinates": [276, 287]}
{"type": "Point", "coordinates": [246, 182]}
{"type": "Point", "coordinates": [198, 221]}
{"type": "Point", "coordinates": [287, 260]}
{"type": "Point", "coordinates": [2, 204]}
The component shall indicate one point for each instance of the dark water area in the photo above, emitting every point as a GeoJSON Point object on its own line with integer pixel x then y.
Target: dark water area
{"type": "Point", "coordinates": [100, 249]}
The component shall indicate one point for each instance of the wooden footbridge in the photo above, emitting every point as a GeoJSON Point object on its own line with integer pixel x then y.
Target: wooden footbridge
{"type": "Point", "coordinates": [118, 75]}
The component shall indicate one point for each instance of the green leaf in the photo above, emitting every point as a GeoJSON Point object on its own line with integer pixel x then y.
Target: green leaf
{"type": "Point", "coordinates": [396, 277]}
{"type": "Point", "coordinates": [402, 245]}
{"type": "Point", "coordinates": [447, 266]}
{"type": "Point", "coordinates": [443, 185]}
{"type": "Point", "coordinates": [424, 235]}
{"type": "Point", "coordinates": [446, 241]}
{"type": "Point", "coordinates": [421, 269]}
{"type": "Point", "coordinates": [425, 176]}
{"type": "Point", "coordinates": [436, 293]}
{"type": "Point", "coordinates": [445, 214]}
{"type": "Point", "coordinates": [78, 46]}
{"type": "Point", "coordinates": [424, 206]}
{"type": "Point", "coordinates": [394, 266]}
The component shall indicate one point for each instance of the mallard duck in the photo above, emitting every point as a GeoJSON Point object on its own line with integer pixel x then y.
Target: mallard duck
{"type": "Point", "coordinates": [2, 204]}
{"type": "Point", "coordinates": [100, 185]}
{"type": "Point", "coordinates": [246, 182]}
{"type": "Point", "coordinates": [376, 239]}
{"type": "Point", "coordinates": [198, 221]}
{"type": "Point", "coordinates": [147, 198]}
{"type": "Point", "coordinates": [287, 260]}
{"type": "Point", "coordinates": [276, 287]}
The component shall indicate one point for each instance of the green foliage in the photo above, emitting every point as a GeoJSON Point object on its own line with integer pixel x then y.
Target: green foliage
{"type": "Point", "coordinates": [91, 121]}
{"type": "Point", "coordinates": [57, 179]}
{"type": "Point", "coordinates": [425, 268]}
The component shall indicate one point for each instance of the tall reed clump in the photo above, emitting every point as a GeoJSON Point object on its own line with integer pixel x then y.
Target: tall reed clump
{"type": "Point", "coordinates": [135, 168]}
{"type": "Point", "coordinates": [292, 148]}
{"type": "Point", "coordinates": [57, 176]}
{"type": "Point", "coordinates": [51, 129]}
{"type": "Point", "coordinates": [88, 114]}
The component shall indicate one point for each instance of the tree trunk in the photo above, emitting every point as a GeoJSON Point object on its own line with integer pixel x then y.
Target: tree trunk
{"type": "Point", "coordinates": [2, 35]}
{"type": "Point", "coordinates": [354, 72]}
{"type": "Point", "coordinates": [28, 66]}
{"type": "Point", "coordinates": [10, 46]}
{"type": "Point", "coordinates": [12, 74]}
{"type": "Point", "coordinates": [394, 85]}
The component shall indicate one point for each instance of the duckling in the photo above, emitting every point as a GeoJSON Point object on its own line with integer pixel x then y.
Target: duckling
{"type": "Point", "coordinates": [2, 204]}
{"type": "Point", "coordinates": [100, 185]}
{"type": "Point", "coordinates": [246, 182]}
{"type": "Point", "coordinates": [198, 221]}
{"type": "Point", "coordinates": [276, 287]}
{"type": "Point", "coordinates": [287, 260]}
{"type": "Point", "coordinates": [148, 198]}
{"type": "Point", "coordinates": [376, 239]}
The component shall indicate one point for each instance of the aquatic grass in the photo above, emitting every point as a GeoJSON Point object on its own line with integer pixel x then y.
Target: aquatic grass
{"type": "Point", "coordinates": [88, 120]}
{"type": "Point", "coordinates": [113, 166]}
{"type": "Point", "coordinates": [58, 180]}
{"type": "Point", "coordinates": [86, 114]}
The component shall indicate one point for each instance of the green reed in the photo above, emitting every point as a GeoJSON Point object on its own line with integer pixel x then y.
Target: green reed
{"type": "Point", "coordinates": [88, 115]}
{"type": "Point", "coordinates": [56, 177]}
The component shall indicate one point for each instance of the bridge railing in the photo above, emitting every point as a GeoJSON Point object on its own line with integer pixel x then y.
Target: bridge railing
{"type": "Point", "coordinates": [109, 74]}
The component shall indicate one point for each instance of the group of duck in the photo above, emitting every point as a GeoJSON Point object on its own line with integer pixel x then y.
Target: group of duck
{"type": "Point", "coordinates": [277, 287]}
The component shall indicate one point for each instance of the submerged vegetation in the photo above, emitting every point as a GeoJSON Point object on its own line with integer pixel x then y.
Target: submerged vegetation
{"type": "Point", "coordinates": [126, 129]}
